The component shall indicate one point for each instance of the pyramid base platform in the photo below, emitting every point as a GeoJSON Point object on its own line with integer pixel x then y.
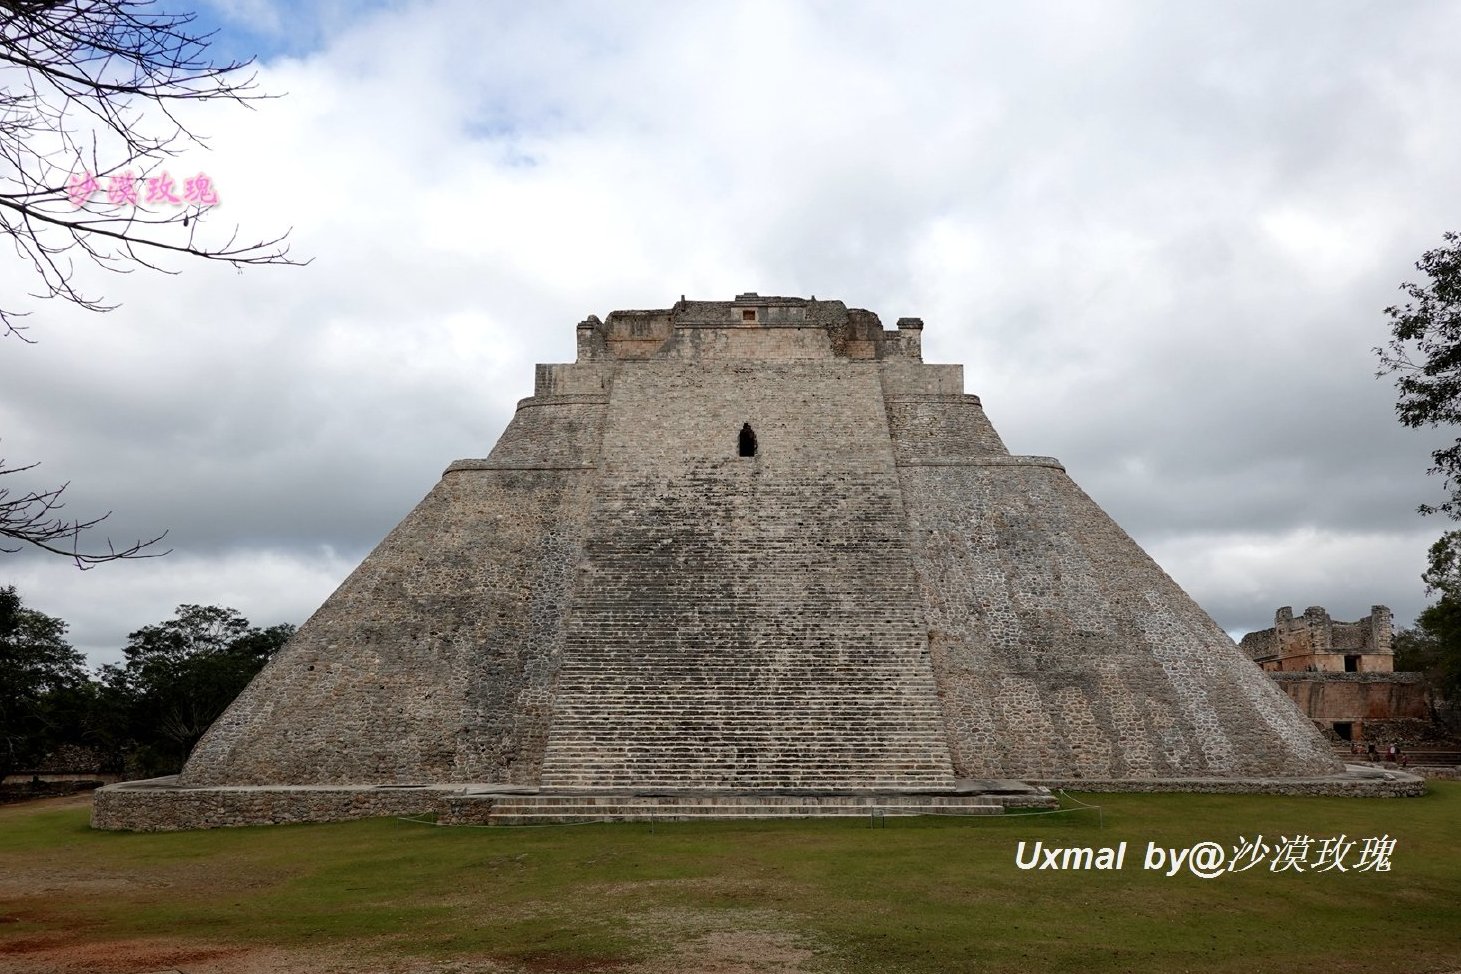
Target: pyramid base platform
{"type": "Point", "coordinates": [161, 805]}
{"type": "Point", "coordinates": [1356, 781]}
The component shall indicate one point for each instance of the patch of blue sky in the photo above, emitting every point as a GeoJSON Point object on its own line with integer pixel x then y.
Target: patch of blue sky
{"type": "Point", "coordinates": [267, 30]}
{"type": "Point", "coordinates": [515, 158]}
{"type": "Point", "coordinates": [494, 129]}
{"type": "Point", "coordinates": [512, 133]}
{"type": "Point", "coordinates": [244, 31]}
{"type": "Point", "coordinates": [505, 137]}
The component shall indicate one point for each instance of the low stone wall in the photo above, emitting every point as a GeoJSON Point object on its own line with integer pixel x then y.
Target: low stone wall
{"type": "Point", "coordinates": [158, 806]}
{"type": "Point", "coordinates": [1439, 771]}
{"type": "Point", "coordinates": [1365, 783]}
{"type": "Point", "coordinates": [479, 809]}
{"type": "Point", "coordinates": [1364, 697]}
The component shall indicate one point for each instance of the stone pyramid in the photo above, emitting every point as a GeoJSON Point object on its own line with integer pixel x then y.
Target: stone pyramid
{"type": "Point", "coordinates": [755, 545]}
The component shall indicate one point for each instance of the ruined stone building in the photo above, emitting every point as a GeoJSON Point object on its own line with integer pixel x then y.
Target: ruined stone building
{"type": "Point", "coordinates": [1341, 674]}
{"type": "Point", "coordinates": [1316, 643]}
{"type": "Point", "coordinates": [747, 547]}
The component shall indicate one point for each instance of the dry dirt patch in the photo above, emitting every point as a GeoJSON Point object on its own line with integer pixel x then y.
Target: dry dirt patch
{"type": "Point", "coordinates": [720, 952]}
{"type": "Point", "coordinates": [34, 804]}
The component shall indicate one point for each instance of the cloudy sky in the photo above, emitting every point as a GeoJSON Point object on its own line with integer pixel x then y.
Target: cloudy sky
{"type": "Point", "coordinates": [1159, 237]}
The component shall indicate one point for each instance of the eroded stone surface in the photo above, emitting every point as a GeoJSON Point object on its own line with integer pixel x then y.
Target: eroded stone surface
{"type": "Point", "coordinates": [880, 597]}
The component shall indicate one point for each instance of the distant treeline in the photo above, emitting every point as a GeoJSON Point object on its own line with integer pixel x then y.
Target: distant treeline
{"type": "Point", "coordinates": [139, 718]}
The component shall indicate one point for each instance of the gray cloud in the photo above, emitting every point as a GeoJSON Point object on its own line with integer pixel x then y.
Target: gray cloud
{"type": "Point", "coordinates": [1158, 238]}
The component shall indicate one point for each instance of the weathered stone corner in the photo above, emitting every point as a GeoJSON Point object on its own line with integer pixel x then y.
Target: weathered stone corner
{"type": "Point", "coordinates": [753, 547]}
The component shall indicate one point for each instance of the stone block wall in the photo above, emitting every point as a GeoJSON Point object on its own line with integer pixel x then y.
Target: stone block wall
{"type": "Point", "coordinates": [548, 432]}
{"type": "Point", "coordinates": [1356, 697]}
{"type": "Point", "coordinates": [1063, 652]}
{"type": "Point", "coordinates": [435, 660]}
{"type": "Point", "coordinates": [155, 806]}
{"type": "Point", "coordinates": [937, 427]}
{"type": "Point", "coordinates": [747, 622]}
{"type": "Point", "coordinates": [881, 598]}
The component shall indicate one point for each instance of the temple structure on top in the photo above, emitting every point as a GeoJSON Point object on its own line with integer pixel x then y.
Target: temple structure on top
{"type": "Point", "coordinates": [754, 547]}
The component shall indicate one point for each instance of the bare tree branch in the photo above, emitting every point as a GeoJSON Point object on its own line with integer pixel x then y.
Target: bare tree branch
{"type": "Point", "coordinates": [88, 91]}
{"type": "Point", "coordinates": [32, 518]}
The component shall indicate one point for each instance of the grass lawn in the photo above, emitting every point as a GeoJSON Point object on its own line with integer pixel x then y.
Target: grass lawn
{"type": "Point", "coordinates": [925, 894]}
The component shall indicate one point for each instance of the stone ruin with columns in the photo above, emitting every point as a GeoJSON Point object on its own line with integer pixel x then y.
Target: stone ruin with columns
{"type": "Point", "coordinates": [748, 557]}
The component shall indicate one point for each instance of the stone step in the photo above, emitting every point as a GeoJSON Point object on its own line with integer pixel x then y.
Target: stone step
{"type": "Point", "coordinates": [682, 815]}
{"type": "Point", "coordinates": [895, 720]}
{"type": "Point", "coordinates": [670, 690]}
{"type": "Point", "coordinates": [742, 752]}
{"type": "Point", "coordinates": [733, 703]}
{"type": "Point", "coordinates": [730, 705]}
{"type": "Point", "coordinates": [745, 755]}
{"type": "Point", "coordinates": [811, 767]}
{"type": "Point", "coordinates": [798, 661]}
{"type": "Point", "coordinates": [702, 672]}
{"type": "Point", "coordinates": [608, 710]}
{"type": "Point", "coordinates": [597, 782]}
{"type": "Point", "coordinates": [638, 779]}
{"type": "Point", "coordinates": [820, 767]}
{"type": "Point", "coordinates": [721, 799]}
{"type": "Point", "coordinates": [769, 663]}
{"type": "Point", "coordinates": [566, 809]}
{"type": "Point", "coordinates": [651, 741]}
{"type": "Point", "coordinates": [721, 773]}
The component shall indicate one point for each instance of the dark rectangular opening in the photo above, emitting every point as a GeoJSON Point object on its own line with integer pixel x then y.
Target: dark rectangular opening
{"type": "Point", "coordinates": [1344, 729]}
{"type": "Point", "coordinates": [747, 443]}
{"type": "Point", "coordinates": [1351, 664]}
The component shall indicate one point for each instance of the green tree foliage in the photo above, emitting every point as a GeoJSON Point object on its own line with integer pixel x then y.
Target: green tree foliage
{"type": "Point", "coordinates": [1433, 647]}
{"type": "Point", "coordinates": [44, 690]}
{"type": "Point", "coordinates": [1424, 352]}
{"type": "Point", "coordinates": [180, 675]}
{"type": "Point", "coordinates": [143, 715]}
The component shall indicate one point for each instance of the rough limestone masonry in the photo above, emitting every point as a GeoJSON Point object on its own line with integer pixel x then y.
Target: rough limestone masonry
{"type": "Point", "coordinates": [741, 547]}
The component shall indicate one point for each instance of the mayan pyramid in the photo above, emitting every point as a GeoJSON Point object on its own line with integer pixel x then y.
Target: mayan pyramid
{"type": "Point", "coordinates": [755, 545]}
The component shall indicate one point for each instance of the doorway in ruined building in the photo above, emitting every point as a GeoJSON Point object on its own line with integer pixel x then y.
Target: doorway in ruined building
{"type": "Point", "coordinates": [1351, 664]}
{"type": "Point", "coordinates": [1345, 730]}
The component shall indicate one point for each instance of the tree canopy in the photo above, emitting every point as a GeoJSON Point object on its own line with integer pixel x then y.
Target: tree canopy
{"type": "Point", "coordinates": [1433, 647]}
{"type": "Point", "coordinates": [180, 675]}
{"type": "Point", "coordinates": [40, 675]}
{"type": "Point", "coordinates": [144, 714]}
{"type": "Point", "coordinates": [1424, 353]}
